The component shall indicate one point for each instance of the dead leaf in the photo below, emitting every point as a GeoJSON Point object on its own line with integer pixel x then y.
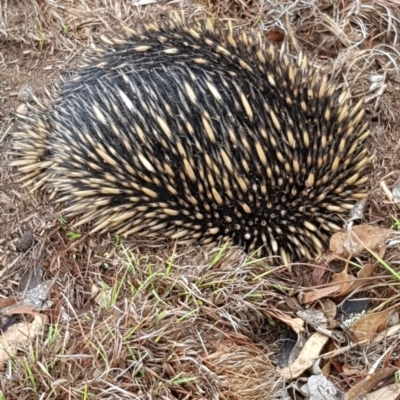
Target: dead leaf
{"type": "Point", "coordinates": [341, 285]}
{"type": "Point", "coordinates": [363, 387]}
{"type": "Point", "coordinates": [316, 294]}
{"type": "Point", "coordinates": [369, 324]}
{"type": "Point", "coordinates": [8, 301]}
{"type": "Point", "coordinates": [313, 317]}
{"type": "Point", "coordinates": [317, 275]}
{"type": "Point", "coordinates": [297, 324]}
{"type": "Point", "coordinates": [340, 282]}
{"type": "Point", "coordinates": [20, 333]}
{"type": "Point", "coordinates": [366, 272]}
{"type": "Point", "coordinates": [276, 36]}
{"type": "Point", "coordinates": [358, 238]}
{"type": "Point", "coordinates": [326, 370]}
{"type": "Point", "coordinates": [306, 358]}
{"type": "Point", "coordinates": [391, 392]}
{"type": "Point", "coordinates": [350, 369]}
{"type": "Point", "coordinates": [21, 309]}
{"type": "Point", "coordinates": [22, 109]}
{"type": "Point", "coordinates": [100, 295]}
{"type": "Point", "coordinates": [329, 310]}
{"type": "Point", "coordinates": [384, 335]}
{"type": "Point", "coordinates": [343, 280]}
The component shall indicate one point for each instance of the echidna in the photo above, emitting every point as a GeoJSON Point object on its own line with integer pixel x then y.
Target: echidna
{"type": "Point", "coordinates": [195, 134]}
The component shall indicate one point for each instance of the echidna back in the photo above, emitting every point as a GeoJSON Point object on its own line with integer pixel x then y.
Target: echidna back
{"type": "Point", "coordinates": [192, 134]}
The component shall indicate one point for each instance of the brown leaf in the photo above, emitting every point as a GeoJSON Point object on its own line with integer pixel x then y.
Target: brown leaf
{"type": "Point", "coordinates": [19, 333]}
{"type": "Point", "coordinates": [366, 385]}
{"type": "Point", "coordinates": [341, 285]}
{"type": "Point", "coordinates": [297, 324]}
{"type": "Point", "coordinates": [316, 294]}
{"type": "Point", "coordinates": [340, 282]}
{"type": "Point", "coordinates": [326, 370]}
{"type": "Point", "coordinates": [360, 237]}
{"type": "Point", "coordinates": [343, 280]}
{"type": "Point", "coordinates": [317, 275]}
{"type": "Point", "coordinates": [365, 272]}
{"type": "Point", "coordinates": [350, 369]}
{"type": "Point", "coordinates": [391, 392]}
{"type": "Point", "coordinates": [8, 301]}
{"type": "Point", "coordinates": [276, 36]}
{"type": "Point", "coordinates": [329, 309]}
{"type": "Point", "coordinates": [307, 356]}
{"type": "Point", "coordinates": [369, 324]}
{"type": "Point", "coordinates": [21, 309]}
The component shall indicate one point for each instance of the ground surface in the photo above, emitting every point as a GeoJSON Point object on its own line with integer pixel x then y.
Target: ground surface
{"type": "Point", "coordinates": [135, 320]}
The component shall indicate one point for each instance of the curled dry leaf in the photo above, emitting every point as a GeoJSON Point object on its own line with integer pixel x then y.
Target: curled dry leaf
{"type": "Point", "coordinates": [391, 392]}
{"type": "Point", "coordinates": [341, 285]}
{"type": "Point", "coordinates": [365, 272]}
{"type": "Point", "coordinates": [329, 310]}
{"type": "Point", "coordinates": [343, 280]}
{"type": "Point", "coordinates": [358, 239]}
{"type": "Point", "coordinates": [369, 324]}
{"type": "Point", "coordinates": [306, 358]}
{"type": "Point", "coordinates": [317, 274]}
{"type": "Point", "coordinates": [313, 317]}
{"type": "Point", "coordinates": [7, 302]}
{"type": "Point", "coordinates": [20, 333]}
{"type": "Point", "coordinates": [355, 370]}
{"type": "Point", "coordinates": [99, 295]}
{"type": "Point", "coordinates": [360, 389]}
{"type": "Point", "coordinates": [316, 294]}
{"type": "Point", "coordinates": [296, 324]}
{"type": "Point", "coordinates": [21, 309]}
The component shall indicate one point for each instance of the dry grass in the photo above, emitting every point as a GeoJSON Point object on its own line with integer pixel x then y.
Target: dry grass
{"type": "Point", "coordinates": [132, 322]}
{"type": "Point", "coordinates": [167, 325]}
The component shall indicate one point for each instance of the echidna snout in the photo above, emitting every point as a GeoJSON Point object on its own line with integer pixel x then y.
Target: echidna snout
{"type": "Point", "coordinates": [186, 132]}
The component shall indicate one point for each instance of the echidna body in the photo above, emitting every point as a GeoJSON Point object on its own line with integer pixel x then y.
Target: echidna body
{"type": "Point", "coordinates": [189, 133]}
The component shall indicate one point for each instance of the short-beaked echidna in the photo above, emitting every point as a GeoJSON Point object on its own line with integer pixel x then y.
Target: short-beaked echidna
{"type": "Point", "coordinates": [191, 133]}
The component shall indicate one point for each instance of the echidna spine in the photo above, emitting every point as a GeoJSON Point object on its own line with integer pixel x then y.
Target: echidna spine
{"type": "Point", "coordinates": [190, 133]}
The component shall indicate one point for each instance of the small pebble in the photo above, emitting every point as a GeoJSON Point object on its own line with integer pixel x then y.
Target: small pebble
{"type": "Point", "coordinates": [25, 241]}
{"type": "Point", "coordinates": [22, 109]}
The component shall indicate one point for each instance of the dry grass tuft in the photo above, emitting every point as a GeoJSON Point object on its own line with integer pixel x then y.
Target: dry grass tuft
{"type": "Point", "coordinates": [143, 321]}
{"type": "Point", "coordinates": [154, 325]}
